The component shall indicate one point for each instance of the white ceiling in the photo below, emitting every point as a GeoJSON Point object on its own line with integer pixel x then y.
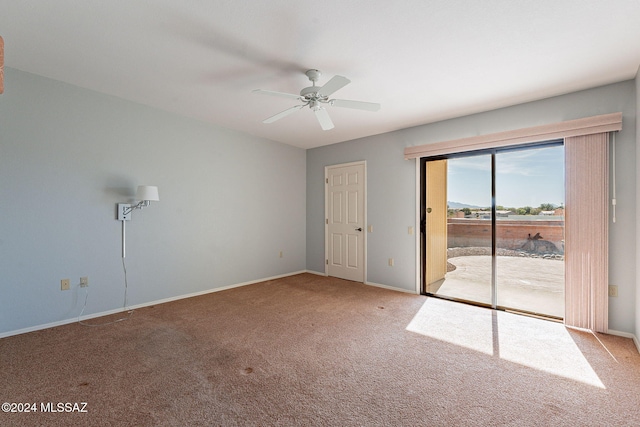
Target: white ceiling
{"type": "Point", "coordinates": [423, 60]}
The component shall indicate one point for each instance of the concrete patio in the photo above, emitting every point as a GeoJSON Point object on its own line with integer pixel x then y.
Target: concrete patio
{"type": "Point", "coordinates": [529, 284]}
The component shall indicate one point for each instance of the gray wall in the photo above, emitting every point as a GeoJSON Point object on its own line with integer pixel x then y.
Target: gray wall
{"type": "Point", "coordinates": [390, 194]}
{"type": "Point", "coordinates": [391, 186]}
{"type": "Point", "coordinates": [229, 203]}
{"type": "Point", "coordinates": [637, 92]}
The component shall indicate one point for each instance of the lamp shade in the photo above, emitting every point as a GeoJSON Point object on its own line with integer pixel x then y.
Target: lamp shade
{"type": "Point", "coordinates": [148, 192]}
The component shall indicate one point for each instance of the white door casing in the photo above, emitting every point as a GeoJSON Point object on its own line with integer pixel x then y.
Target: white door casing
{"type": "Point", "coordinates": [345, 221]}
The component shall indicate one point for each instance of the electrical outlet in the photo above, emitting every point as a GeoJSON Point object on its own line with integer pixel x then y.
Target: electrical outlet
{"type": "Point", "coordinates": [391, 262]}
{"type": "Point", "coordinates": [613, 290]}
{"type": "Point", "coordinates": [84, 282]}
{"type": "Point", "coordinates": [280, 254]}
{"type": "Point", "coordinates": [65, 284]}
{"type": "Point", "coordinates": [410, 230]}
{"type": "Point", "coordinates": [370, 228]}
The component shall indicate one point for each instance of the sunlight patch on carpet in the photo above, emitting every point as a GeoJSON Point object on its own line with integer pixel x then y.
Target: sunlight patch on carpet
{"type": "Point", "coordinates": [538, 344]}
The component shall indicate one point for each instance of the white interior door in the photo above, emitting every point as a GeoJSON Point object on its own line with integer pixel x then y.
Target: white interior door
{"type": "Point", "coordinates": [345, 221]}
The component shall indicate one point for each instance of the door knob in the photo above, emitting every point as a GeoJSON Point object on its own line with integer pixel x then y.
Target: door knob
{"type": "Point", "coordinates": [359, 229]}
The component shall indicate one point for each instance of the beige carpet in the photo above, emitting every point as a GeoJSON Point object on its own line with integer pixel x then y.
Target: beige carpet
{"type": "Point", "coordinates": [314, 351]}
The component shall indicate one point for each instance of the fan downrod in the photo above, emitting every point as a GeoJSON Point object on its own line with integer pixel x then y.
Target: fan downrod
{"type": "Point", "coordinates": [311, 93]}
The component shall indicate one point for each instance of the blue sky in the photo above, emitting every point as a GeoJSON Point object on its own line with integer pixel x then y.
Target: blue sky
{"type": "Point", "coordinates": [523, 178]}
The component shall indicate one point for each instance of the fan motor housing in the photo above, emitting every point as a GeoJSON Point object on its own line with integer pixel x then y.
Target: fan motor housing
{"type": "Point", "coordinates": [309, 92]}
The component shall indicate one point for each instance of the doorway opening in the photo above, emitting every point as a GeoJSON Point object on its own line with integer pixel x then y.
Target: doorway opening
{"type": "Point", "coordinates": [492, 226]}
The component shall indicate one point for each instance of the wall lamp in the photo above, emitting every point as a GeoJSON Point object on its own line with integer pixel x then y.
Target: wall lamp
{"type": "Point", "coordinates": [145, 195]}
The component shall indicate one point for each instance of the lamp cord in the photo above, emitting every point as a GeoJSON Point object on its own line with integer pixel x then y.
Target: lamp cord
{"type": "Point", "coordinates": [124, 304]}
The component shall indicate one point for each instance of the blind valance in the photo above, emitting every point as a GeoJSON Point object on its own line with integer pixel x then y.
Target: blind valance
{"type": "Point", "coordinates": [586, 126]}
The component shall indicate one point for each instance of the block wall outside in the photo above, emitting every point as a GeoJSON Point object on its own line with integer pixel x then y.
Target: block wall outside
{"type": "Point", "coordinates": [510, 234]}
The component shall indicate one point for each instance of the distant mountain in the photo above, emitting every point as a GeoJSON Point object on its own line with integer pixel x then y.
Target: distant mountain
{"type": "Point", "coordinates": [457, 205]}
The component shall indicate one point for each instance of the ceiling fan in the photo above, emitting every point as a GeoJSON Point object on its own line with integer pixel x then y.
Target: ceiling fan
{"type": "Point", "coordinates": [315, 97]}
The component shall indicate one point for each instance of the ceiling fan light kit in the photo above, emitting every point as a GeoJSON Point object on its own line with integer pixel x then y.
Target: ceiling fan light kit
{"type": "Point", "coordinates": [315, 97]}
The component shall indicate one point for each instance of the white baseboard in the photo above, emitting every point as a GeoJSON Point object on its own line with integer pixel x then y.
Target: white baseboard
{"type": "Point", "coordinates": [378, 285]}
{"type": "Point", "coordinates": [316, 273]}
{"type": "Point", "coordinates": [391, 288]}
{"type": "Point", "coordinates": [626, 335]}
{"type": "Point", "coordinates": [146, 304]}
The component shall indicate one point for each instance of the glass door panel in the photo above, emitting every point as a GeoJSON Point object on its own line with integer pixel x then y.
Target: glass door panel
{"type": "Point", "coordinates": [530, 230]}
{"type": "Point", "coordinates": [458, 228]}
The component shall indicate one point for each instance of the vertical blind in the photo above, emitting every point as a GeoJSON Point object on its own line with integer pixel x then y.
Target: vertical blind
{"type": "Point", "coordinates": [586, 231]}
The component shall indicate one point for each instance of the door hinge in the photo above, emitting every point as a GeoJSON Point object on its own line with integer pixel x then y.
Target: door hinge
{"type": "Point", "coordinates": [326, 261]}
{"type": "Point", "coordinates": [326, 221]}
{"type": "Point", "coordinates": [326, 180]}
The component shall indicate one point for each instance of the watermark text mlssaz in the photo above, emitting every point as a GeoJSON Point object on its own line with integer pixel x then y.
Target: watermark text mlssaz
{"type": "Point", "coordinates": [45, 407]}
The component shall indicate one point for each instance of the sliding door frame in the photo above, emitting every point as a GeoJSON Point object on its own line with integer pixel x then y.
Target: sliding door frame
{"type": "Point", "coordinates": [423, 214]}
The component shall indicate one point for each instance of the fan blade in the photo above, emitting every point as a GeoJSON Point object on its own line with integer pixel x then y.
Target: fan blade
{"type": "Point", "coordinates": [324, 119]}
{"type": "Point", "coordinates": [282, 114]}
{"type": "Point", "coordinates": [358, 105]}
{"type": "Point", "coordinates": [273, 93]}
{"type": "Point", "coordinates": [336, 82]}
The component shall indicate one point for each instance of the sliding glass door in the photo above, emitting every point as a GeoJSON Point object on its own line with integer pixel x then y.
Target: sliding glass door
{"type": "Point", "coordinates": [493, 228]}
